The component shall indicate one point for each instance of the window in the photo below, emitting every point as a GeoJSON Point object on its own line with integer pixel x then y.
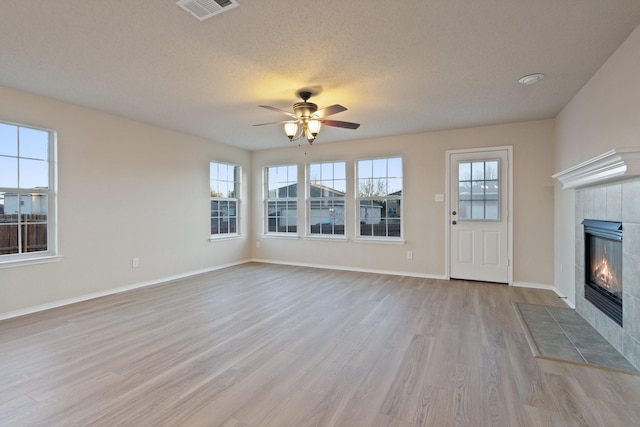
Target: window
{"type": "Point", "coordinates": [380, 197]}
{"type": "Point", "coordinates": [281, 205]}
{"type": "Point", "coordinates": [478, 190]}
{"type": "Point", "coordinates": [224, 182]}
{"type": "Point", "coordinates": [326, 187]}
{"type": "Point", "coordinates": [27, 198]}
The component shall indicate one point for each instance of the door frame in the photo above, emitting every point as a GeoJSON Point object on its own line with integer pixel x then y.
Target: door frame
{"type": "Point", "coordinates": [447, 206]}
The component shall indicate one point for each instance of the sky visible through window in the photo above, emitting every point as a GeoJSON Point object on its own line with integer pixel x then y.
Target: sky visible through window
{"type": "Point", "coordinates": [24, 154]}
{"type": "Point", "coordinates": [379, 177]}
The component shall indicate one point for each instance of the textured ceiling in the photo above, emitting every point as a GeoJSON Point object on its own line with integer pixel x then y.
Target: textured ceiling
{"type": "Point", "coordinates": [399, 66]}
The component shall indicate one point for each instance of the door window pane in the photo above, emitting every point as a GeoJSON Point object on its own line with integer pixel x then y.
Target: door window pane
{"type": "Point", "coordinates": [464, 190]}
{"type": "Point", "coordinates": [464, 172]}
{"type": "Point", "coordinates": [477, 171]}
{"type": "Point", "coordinates": [478, 190]}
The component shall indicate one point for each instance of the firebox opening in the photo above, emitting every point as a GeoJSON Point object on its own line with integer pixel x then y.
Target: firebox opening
{"type": "Point", "coordinates": [603, 264]}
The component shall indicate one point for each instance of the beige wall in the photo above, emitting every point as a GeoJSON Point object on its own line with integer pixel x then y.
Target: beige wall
{"type": "Point", "coordinates": [424, 219]}
{"type": "Point", "coordinates": [126, 189]}
{"type": "Point", "coordinates": [604, 115]}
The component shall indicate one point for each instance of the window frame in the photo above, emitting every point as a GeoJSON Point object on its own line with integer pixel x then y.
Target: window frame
{"type": "Point", "coordinates": [50, 192]}
{"type": "Point", "coordinates": [385, 198]}
{"type": "Point", "coordinates": [236, 200]}
{"type": "Point", "coordinates": [287, 201]}
{"type": "Point", "coordinates": [472, 199]}
{"type": "Point", "coordinates": [325, 200]}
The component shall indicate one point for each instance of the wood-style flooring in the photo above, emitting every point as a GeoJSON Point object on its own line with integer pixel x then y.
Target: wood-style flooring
{"type": "Point", "coordinates": [269, 345]}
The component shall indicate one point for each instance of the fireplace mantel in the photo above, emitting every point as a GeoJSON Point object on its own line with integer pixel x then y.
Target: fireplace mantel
{"type": "Point", "coordinates": [614, 165]}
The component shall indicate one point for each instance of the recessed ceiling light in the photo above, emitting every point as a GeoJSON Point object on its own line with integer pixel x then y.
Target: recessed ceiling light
{"type": "Point", "coordinates": [531, 79]}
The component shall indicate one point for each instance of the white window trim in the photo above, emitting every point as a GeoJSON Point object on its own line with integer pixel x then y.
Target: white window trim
{"type": "Point", "coordinates": [378, 239]}
{"type": "Point", "coordinates": [341, 238]}
{"type": "Point", "coordinates": [51, 254]}
{"type": "Point", "coordinates": [273, 235]}
{"type": "Point", "coordinates": [30, 261]}
{"type": "Point", "coordinates": [237, 233]}
{"type": "Point", "coordinates": [392, 240]}
{"type": "Point", "coordinates": [228, 236]}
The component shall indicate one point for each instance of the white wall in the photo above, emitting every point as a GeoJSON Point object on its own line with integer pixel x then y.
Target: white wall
{"type": "Point", "coordinates": [605, 114]}
{"type": "Point", "coordinates": [424, 219]}
{"type": "Point", "coordinates": [126, 189]}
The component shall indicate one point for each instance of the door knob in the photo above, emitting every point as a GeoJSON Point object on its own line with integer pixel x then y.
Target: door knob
{"type": "Point", "coordinates": [454, 222]}
{"type": "Point", "coordinates": [454, 213]}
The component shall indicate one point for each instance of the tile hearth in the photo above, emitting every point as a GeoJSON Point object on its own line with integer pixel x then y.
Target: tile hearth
{"type": "Point", "coordinates": [562, 334]}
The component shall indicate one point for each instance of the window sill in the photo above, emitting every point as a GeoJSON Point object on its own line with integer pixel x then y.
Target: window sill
{"type": "Point", "coordinates": [217, 238]}
{"type": "Point", "coordinates": [326, 237]}
{"type": "Point", "coordinates": [280, 236]}
{"type": "Point", "coordinates": [382, 240]}
{"type": "Point", "coordinates": [30, 261]}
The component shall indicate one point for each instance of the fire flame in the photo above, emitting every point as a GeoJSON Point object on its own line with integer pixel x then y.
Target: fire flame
{"type": "Point", "coordinates": [604, 276]}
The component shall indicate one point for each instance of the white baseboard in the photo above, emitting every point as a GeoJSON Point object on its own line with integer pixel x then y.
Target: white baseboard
{"type": "Point", "coordinates": [344, 268]}
{"type": "Point", "coordinates": [61, 303]}
{"type": "Point", "coordinates": [547, 287]}
{"type": "Point", "coordinates": [533, 286]}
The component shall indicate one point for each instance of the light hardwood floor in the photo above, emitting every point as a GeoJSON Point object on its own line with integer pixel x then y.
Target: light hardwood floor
{"type": "Point", "coordinates": [268, 345]}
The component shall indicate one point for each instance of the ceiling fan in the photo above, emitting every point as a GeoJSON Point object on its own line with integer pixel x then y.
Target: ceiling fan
{"type": "Point", "coordinates": [307, 119]}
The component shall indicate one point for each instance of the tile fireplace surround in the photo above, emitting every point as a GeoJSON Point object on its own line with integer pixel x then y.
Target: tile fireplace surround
{"type": "Point", "coordinates": [608, 189]}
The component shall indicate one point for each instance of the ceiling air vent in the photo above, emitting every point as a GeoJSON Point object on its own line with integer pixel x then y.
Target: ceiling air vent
{"type": "Point", "coordinates": [204, 9]}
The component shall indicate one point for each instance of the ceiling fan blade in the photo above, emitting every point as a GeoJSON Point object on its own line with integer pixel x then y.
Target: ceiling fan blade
{"type": "Point", "coordinates": [339, 124]}
{"type": "Point", "coordinates": [327, 111]}
{"type": "Point", "coordinates": [276, 123]}
{"type": "Point", "coordinates": [268, 107]}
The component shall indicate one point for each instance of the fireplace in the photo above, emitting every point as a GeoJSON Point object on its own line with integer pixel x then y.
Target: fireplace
{"type": "Point", "coordinates": [603, 266]}
{"type": "Point", "coordinates": [607, 187]}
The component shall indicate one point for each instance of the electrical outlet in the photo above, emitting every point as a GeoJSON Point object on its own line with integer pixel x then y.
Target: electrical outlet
{"type": "Point", "coordinates": [135, 262]}
{"type": "Point", "coordinates": [258, 245]}
{"type": "Point", "coordinates": [409, 254]}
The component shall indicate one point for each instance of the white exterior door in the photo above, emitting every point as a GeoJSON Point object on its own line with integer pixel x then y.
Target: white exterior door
{"type": "Point", "coordinates": [479, 228]}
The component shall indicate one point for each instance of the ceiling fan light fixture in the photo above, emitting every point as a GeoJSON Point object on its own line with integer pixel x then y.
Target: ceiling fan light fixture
{"type": "Point", "coordinates": [306, 120]}
{"type": "Point", "coordinates": [314, 127]}
{"type": "Point", "coordinates": [291, 129]}
{"type": "Point", "coordinates": [307, 134]}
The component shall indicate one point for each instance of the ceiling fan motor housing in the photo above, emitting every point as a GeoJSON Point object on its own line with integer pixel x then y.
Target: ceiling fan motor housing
{"type": "Point", "coordinates": [304, 109]}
